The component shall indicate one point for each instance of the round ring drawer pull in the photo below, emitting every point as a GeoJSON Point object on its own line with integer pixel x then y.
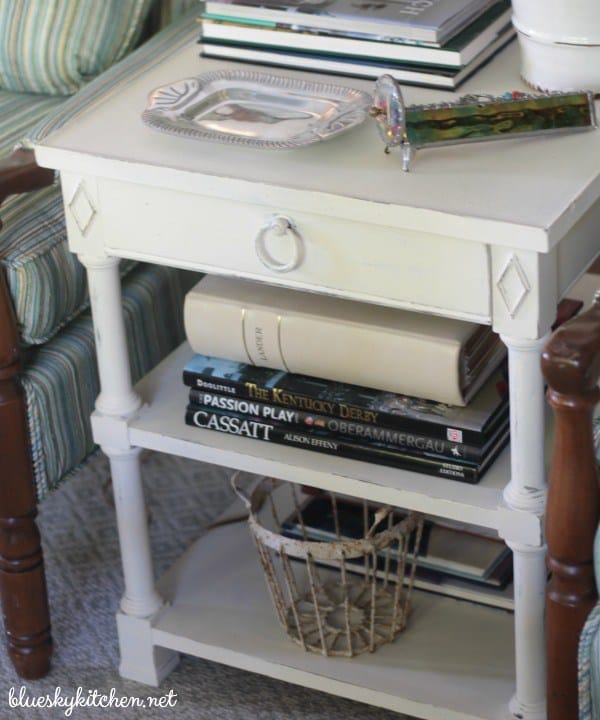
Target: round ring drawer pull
{"type": "Point", "coordinates": [279, 225]}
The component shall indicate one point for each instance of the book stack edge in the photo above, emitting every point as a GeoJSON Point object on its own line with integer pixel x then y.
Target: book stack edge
{"type": "Point", "coordinates": [433, 43]}
{"type": "Point", "coordinates": [359, 381]}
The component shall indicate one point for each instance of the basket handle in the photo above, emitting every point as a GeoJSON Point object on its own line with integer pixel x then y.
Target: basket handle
{"type": "Point", "coordinates": [240, 492]}
{"type": "Point", "coordinates": [380, 515]}
{"type": "Point", "coordinates": [243, 497]}
{"type": "Point", "coordinates": [253, 500]}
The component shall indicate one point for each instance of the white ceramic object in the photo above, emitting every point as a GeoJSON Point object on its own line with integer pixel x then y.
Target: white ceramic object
{"type": "Point", "coordinates": [560, 43]}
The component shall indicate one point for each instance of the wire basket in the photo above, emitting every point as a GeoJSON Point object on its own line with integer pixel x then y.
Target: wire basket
{"type": "Point", "coordinates": [344, 596]}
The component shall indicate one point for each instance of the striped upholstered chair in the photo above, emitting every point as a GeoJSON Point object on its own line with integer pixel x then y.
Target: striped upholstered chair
{"type": "Point", "coordinates": [53, 53]}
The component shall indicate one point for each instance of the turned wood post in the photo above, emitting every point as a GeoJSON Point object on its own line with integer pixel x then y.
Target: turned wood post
{"type": "Point", "coordinates": [571, 366]}
{"type": "Point", "coordinates": [22, 581]}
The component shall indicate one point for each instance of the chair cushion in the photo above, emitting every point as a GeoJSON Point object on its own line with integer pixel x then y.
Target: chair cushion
{"type": "Point", "coordinates": [60, 378]}
{"type": "Point", "coordinates": [46, 282]}
{"type": "Point", "coordinates": [56, 46]}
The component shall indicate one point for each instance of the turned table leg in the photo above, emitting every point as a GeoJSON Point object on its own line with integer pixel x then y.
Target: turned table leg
{"type": "Point", "coordinates": [527, 491]}
{"type": "Point", "coordinates": [22, 580]}
{"type": "Point", "coordinates": [118, 401]}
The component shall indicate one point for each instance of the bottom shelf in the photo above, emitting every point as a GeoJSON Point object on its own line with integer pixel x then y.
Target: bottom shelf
{"type": "Point", "coordinates": [455, 660]}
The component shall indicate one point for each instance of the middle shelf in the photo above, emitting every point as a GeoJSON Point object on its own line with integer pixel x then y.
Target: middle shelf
{"type": "Point", "coordinates": [159, 425]}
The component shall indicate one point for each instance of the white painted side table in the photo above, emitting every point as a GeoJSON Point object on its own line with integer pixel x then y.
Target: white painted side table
{"type": "Point", "coordinates": [495, 233]}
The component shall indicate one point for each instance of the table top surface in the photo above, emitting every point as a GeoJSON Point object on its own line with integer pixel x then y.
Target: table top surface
{"type": "Point", "coordinates": [535, 187]}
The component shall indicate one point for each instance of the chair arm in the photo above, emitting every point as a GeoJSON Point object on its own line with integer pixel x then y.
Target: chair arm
{"type": "Point", "coordinates": [571, 366]}
{"type": "Point", "coordinates": [571, 358]}
{"type": "Point", "coordinates": [22, 583]}
{"type": "Point", "coordinates": [20, 173]}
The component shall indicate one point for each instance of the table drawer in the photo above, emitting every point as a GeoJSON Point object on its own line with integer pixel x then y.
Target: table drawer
{"type": "Point", "coordinates": [364, 261]}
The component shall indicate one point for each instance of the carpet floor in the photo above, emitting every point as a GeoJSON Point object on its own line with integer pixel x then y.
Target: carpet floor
{"type": "Point", "coordinates": [84, 583]}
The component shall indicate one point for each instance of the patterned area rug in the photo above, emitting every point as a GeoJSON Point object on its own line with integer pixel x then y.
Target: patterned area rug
{"type": "Point", "coordinates": [84, 582]}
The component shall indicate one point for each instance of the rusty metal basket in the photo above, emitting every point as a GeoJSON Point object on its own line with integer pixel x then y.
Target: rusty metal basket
{"type": "Point", "coordinates": [344, 596]}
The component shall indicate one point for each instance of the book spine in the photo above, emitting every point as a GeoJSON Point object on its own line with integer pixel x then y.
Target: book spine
{"type": "Point", "coordinates": [257, 429]}
{"type": "Point", "coordinates": [291, 37]}
{"type": "Point", "coordinates": [339, 429]}
{"type": "Point", "coordinates": [285, 329]}
{"type": "Point", "coordinates": [344, 411]}
{"type": "Point", "coordinates": [277, 13]}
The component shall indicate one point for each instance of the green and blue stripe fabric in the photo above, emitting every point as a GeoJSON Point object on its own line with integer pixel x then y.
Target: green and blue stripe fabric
{"type": "Point", "coordinates": [60, 378]}
{"type": "Point", "coordinates": [48, 284]}
{"type": "Point", "coordinates": [161, 46]}
{"type": "Point", "coordinates": [56, 46]}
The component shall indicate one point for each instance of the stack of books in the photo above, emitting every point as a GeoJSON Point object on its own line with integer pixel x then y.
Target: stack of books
{"type": "Point", "coordinates": [454, 559]}
{"type": "Point", "coordinates": [369, 383]}
{"type": "Point", "coordinates": [459, 443]}
{"type": "Point", "coordinates": [435, 43]}
{"type": "Point", "coordinates": [415, 363]}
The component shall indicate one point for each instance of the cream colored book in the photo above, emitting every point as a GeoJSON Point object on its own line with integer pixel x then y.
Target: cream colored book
{"type": "Point", "coordinates": [335, 339]}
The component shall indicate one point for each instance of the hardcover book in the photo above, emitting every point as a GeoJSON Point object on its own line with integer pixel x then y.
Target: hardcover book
{"type": "Point", "coordinates": [362, 433]}
{"type": "Point", "coordinates": [458, 52]}
{"type": "Point", "coordinates": [425, 356]}
{"type": "Point", "coordinates": [495, 591]}
{"type": "Point", "coordinates": [444, 78]}
{"type": "Point", "coordinates": [448, 548]}
{"type": "Point", "coordinates": [255, 428]}
{"type": "Point", "coordinates": [473, 424]}
{"type": "Point", "coordinates": [418, 20]}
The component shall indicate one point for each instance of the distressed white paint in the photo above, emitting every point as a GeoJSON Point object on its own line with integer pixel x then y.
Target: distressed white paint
{"type": "Point", "coordinates": [530, 647]}
{"type": "Point", "coordinates": [494, 232]}
{"type": "Point", "coordinates": [141, 660]}
{"type": "Point", "coordinates": [116, 396]}
{"type": "Point", "coordinates": [160, 426]}
{"type": "Point", "coordinates": [368, 261]}
{"type": "Point", "coordinates": [118, 400]}
{"type": "Point", "coordinates": [454, 661]}
{"type": "Point", "coordinates": [527, 487]}
{"type": "Point", "coordinates": [140, 598]}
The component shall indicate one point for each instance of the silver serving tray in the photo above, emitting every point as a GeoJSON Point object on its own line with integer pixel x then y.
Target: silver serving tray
{"type": "Point", "coordinates": [255, 109]}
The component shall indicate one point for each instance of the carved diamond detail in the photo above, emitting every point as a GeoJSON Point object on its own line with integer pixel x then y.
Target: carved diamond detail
{"type": "Point", "coordinates": [82, 209]}
{"type": "Point", "coordinates": [513, 285]}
